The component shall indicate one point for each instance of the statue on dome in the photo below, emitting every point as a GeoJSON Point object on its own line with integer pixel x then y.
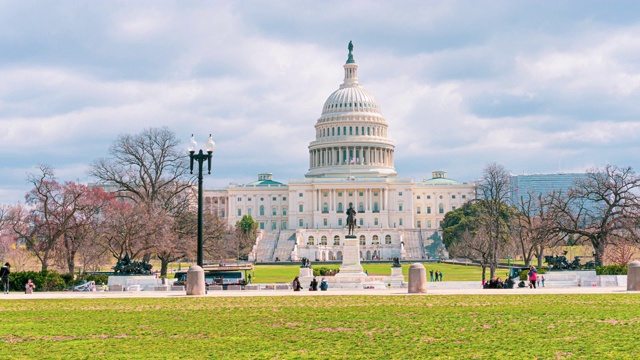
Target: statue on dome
{"type": "Point", "coordinates": [350, 46]}
{"type": "Point", "coordinates": [350, 59]}
{"type": "Point", "coordinates": [351, 220]}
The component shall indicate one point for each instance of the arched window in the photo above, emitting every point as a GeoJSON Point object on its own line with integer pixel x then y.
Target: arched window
{"type": "Point", "coordinates": [387, 239]}
{"type": "Point", "coordinates": [336, 240]}
{"type": "Point", "coordinates": [340, 207]}
{"type": "Point", "coordinates": [361, 207]}
{"type": "Point", "coordinates": [261, 210]}
{"type": "Point", "coordinates": [356, 130]}
{"type": "Point", "coordinates": [310, 241]}
{"type": "Point", "coordinates": [338, 131]}
{"type": "Point", "coordinates": [333, 131]}
{"type": "Point", "coordinates": [350, 130]}
{"type": "Point", "coordinates": [375, 240]}
{"type": "Point", "coordinates": [363, 240]}
{"type": "Point", "coordinates": [323, 240]}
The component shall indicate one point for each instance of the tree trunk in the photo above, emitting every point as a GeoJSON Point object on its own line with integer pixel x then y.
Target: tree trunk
{"type": "Point", "coordinates": [484, 273]}
{"type": "Point", "coordinates": [164, 265]}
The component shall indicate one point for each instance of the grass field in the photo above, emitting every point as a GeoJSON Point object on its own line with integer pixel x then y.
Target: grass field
{"type": "Point", "coordinates": [324, 327]}
{"type": "Point", "coordinates": [286, 273]}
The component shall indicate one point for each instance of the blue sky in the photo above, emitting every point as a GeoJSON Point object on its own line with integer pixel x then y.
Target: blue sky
{"type": "Point", "coordinates": [539, 87]}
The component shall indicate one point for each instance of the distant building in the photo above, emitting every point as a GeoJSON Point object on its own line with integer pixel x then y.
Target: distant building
{"type": "Point", "coordinates": [542, 184]}
{"type": "Point", "coordinates": [351, 163]}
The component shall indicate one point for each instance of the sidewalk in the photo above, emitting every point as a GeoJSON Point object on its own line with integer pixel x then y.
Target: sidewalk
{"type": "Point", "coordinates": [331, 292]}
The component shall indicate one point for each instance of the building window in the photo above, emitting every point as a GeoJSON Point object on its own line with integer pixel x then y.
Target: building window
{"type": "Point", "coordinates": [284, 198]}
{"type": "Point", "coordinates": [464, 196]}
{"type": "Point", "coordinates": [249, 211]}
{"type": "Point", "coordinates": [261, 199]}
{"type": "Point", "coordinates": [239, 199]}
{"type": "Point", "coordinates": [300, 223]}
{"type": "Point", "coordinates": [284, 211]}
{"type": "Point", "coordinates": [340, 209]}
{"type": "Point", "coordinates": [453, 208]}
{"type": "Point", "coordinates": [375, 193]}
{"type": "Point", "coordinates": [400, 207]}
{"type": "Point", "coordinates": [418, 197]}
{"type": "Point", "coordinates": [375, 207]}
{"type": "Point", "coordinates": [363, 240]}
{"type": "Point", "coordinates": [284, 225]}
{"type": "Point", "coordinates": [428, 209]}
{"type": "Point", "coordinates": [299, 194]}
{"type": "Point", "coordinates": [300, 208]}
{"type": "Point", "coordinates": [387, 239]}
{"type": "Point", "coordinates": [400, 221]}
{"type": "Point", "coordinates": [261, 210]}
{"type": "Point", "coordinates": [361, 222]}
{"type": "Point", "coordinates": [325, 208]}
{"type": "Point", "coordinates": [325, 222]}
{"type": "Point", "coordinates": [400, 193]}
{"type": "Point", "coordinates": [440, 209]}
{"type": "Point", "coordinates": [325, 194]}
{"type": "Point", "coordinates": [310, 240]}
{"type": "Point", "coordinates": [361, 207]}
{"type": "Point", "coordinates": [418, 210]}
{"type": "Point", "coordinates": [274, 225]}
{"type": "Point", "coordinates": [340, 193]}
{"type": "Point", "coordinates": [261, 225]}
{"type": "Point", "coordinates": [453, 196]}
{"type": "Point", "coordinates": [273, 199]}
{"type": "Point", "coordinates": [440, 196]}
{"type": "Point", "coordinates": [429, 224]}
{"type": "Point", "coordinates": [239, 212]}
{"type": "Point", "coordinates": [249, 199]}
{"type": "Point", "coordinates": [375, 221]}
{"type": "Point", "coordinates": [336, 240]}
{"type": "Point", "coordinates": [360, 193]}
{"type": "Point", "coordinates": [418, 224]}
{"type": "Point", "coordinates": [340, 222]}
{"type": "Point", "coordinates": [274, 211]}
{"type": "Point", "coordinates": [374, 240]}
{"type": "Point", "coordinates": [222, 213]}
{"type": "Point", "coordinates": [428, 197]}
{"type": "Point", "coordinates": [350, 193]}
{"type": "Point", "coordinates": [323, 240]}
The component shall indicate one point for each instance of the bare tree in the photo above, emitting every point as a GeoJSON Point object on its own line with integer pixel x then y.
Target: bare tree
{"type": "Point", "coordinates": [475, 247]}
{"type": "Point", "coordinates": [52, 209]}
{"type": "Point", "coordinates": [601, 208]}
{"type": "Point", "coordinates": [493, 191]}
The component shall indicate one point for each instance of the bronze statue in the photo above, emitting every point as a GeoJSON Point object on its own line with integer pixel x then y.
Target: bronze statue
{"type": "Point", "coordinates": [351, 219]}
{"type": "Point", "coordinates": [396, 262]}
{"type": "Point", "coordinates": [350, 46]}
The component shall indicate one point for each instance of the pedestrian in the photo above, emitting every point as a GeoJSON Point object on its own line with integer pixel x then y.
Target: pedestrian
{"type": "Point", "coordinates": [542, 279]}
{"type": "Point", "coordinates": [28, 288]}
{"type": "Point", "coordinates": [431, 275]}
{"type": "Point", "coordinates": [437, 275]}
{"type": "Point", "coordinates": [324, 285]}
{"type": "Point", "coordinates": [314, 285]}
{"type": "Point", "coordinates": [533, 276]}
{"type": "Point", "coordinates": [4, 274]}
{"type": "Point", "coordinates": [296, 284]}
{"type": "Point", "coordinates": [440, 276]}
{"type": "Point", "coordinates": [538, 281]}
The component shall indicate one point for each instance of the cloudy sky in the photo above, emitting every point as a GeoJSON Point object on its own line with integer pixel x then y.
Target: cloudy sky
{"type": "Point", "coordinates": [539, 87]}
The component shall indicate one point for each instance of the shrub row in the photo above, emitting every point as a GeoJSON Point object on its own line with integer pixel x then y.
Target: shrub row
{"type": "Point", "coordinates": [611, 270]}
{"type": "Point", "coordinates": [325, 271]}
{"type": "Point", "coordinates": [49, 280]}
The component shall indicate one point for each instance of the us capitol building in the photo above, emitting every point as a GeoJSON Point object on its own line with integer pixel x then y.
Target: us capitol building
{"type": "Point", "coordinates": [351, 161]}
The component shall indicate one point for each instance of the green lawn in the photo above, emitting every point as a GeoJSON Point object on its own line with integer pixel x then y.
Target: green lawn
{"type": "Point", "coordinates": [324, 327]}
{"type": "Point", "coordinates": [286, 272]}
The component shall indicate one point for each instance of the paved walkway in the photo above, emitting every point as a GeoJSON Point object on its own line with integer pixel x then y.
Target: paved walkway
{"type": "Point", "coordinates": [334, 292]}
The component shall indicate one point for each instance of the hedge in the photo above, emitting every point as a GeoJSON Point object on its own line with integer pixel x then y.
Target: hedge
{"type": "Point", "coordinates": [44, 280]}
{"type": "Point", "coordinates": [611, 270]}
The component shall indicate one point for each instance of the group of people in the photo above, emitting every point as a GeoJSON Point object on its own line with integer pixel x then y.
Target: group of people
{"type": "Point", "coordinates": [5, 270]}
{"type": "Point", "coordinates": [497, 283]}
{"type": "Point", "coordinates": [313, 286]}
{"type": "Point", "coordinates": [534, 278]}
{"type": "Point", "coordinates": [437, 274]}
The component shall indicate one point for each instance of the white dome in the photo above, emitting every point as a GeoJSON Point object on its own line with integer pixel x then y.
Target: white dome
{"type": "Point", "coordinates": [350, 98]}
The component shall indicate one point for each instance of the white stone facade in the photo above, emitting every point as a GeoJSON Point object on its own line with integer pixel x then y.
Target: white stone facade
{"type": "Point", "coordinates": [351, 161]}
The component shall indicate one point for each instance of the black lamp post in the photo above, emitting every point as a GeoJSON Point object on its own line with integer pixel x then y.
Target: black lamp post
{"type": "Point", "coordinates": [200, 157]}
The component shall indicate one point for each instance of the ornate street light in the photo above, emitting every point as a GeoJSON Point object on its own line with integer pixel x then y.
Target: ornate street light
{"type": "Point", "coordinates": [200, 157]}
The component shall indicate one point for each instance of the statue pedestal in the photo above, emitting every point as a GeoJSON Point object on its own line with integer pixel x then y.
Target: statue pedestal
{"type": "Point", "coordinates": [350, 258]}
{"type": "Point", "coordinates": [397, 279]}
{"type": "Point", "coordinates": [305, 271]}
{"type": "Point", "coordinates": [145, 282]}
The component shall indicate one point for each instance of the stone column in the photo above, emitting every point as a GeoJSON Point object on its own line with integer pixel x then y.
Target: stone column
{"type": "Point", "coordinates": [195, 281]}
{"type": "Point", "coordinates": [417, 279]}
{"type": "Point", "coordinates": [633, 276]}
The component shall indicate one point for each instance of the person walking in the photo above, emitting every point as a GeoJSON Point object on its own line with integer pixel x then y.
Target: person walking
{"type": "Point", "coordinates": [533, 276]}
{"type": "Point", "coordinates": [542, 279]}
{"type": "Point", "coordinates": [4, 274]}
{"type": "Point", "coordinates": [431, 275]}
{"type": "Point", "coordinates": [440, 276]}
